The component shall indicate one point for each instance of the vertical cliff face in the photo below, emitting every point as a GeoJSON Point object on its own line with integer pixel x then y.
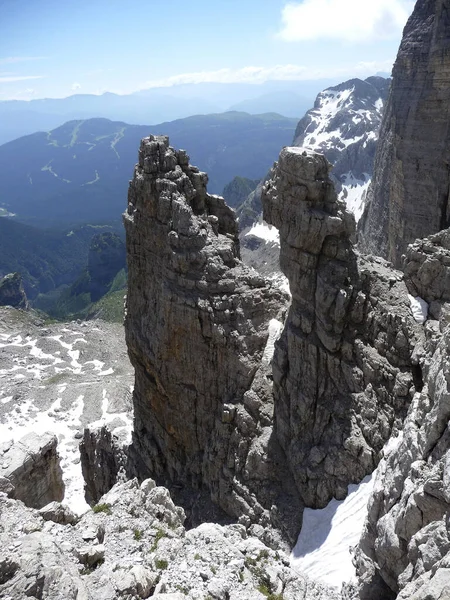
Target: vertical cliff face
{"type": "Point", "coordinates": [342, 369]}
{"type": "Point", "coordinates": [405, 548]}
{"type": "Point", "coordinates": [198, 335]}
{"type": "Point", "coordinates": [409, 195]}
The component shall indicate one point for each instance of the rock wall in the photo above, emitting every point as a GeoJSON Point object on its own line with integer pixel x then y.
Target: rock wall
{"type": "Point", "coordinates": [343, 370]}
{"type": "Point", "coordinates": [31, 465]}
{"type": "Point", "coordinates": [409, 196]}
{"type": "Point", "coordinates": [405, 548]}
{"type": "Point", "coordinates": [197, 330]}
{"type": "Point", "coordinates": [104, 462]}
{"type": "Point", "coordinates": [12, 292]}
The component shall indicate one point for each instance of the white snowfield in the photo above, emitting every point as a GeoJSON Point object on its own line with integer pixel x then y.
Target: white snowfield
{"type": "Point", "coordinates": [353, 193]}
{"type": "Point", "coordinates": [324, 546]}
{"type": "Point", "coordinates": [323, 549]}
{"type": "Point", "coordinates": [60, 379]}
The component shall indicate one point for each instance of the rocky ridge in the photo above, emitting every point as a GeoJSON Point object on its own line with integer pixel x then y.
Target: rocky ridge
{"type": "Point", "coordinates": [408, 198]}
{"type": "Point", "coordinates": [134, 545]}
{"type": "Point", "coordinates": [344, 370]}
{"type": "Point", "coordinates": [200, 329]}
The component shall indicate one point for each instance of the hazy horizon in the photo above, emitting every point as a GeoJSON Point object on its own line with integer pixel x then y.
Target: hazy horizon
{"type": "Point", "coordinates": [54, 50]}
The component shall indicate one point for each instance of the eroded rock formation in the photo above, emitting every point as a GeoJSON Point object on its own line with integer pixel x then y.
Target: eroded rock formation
{"type": "Point", "coordinates": [409, 196]}
{"type": "Point", "coordinates": [343, 369]}
{"type": "Point", "coordinates": [405, 548]}
{"type": "Point", "coordinates": [31, 465]}
{"type": "Point", "coordinates": [197, 329]}
{"type": "Point", "coordinates": [12, 292]}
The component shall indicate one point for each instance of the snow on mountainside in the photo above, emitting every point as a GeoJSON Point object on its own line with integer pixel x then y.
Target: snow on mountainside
{"type": "Point", "coordinates": [343, 125]}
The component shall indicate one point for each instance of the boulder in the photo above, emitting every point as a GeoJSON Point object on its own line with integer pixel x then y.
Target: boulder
{"type": "Point", "coordinates": [31, 465]}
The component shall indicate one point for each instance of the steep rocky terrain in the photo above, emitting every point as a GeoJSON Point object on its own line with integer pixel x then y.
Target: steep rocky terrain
{"type": "Point", "coordinates": [405, 548]}
{"type": "Point", "coordinates": [409, 195]}
{"type": "Point", "coordinates": [248, 406]}
{"type": "Point", "coordinates": [343, 125]}
{"type": "Point", "coordinates": [200, 331]}
{"type": "Point", "coordinates": [343, 369]}
{"type": "Point", "coordinates": [133, 545]}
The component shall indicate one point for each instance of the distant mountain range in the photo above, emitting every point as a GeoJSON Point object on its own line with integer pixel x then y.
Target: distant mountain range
{"type": "Point", "coordinates": [343, 125]}
{"type": "Point", "coordinates": [156, 105]}
{"type": "Point", "coordinates": [79, 172]}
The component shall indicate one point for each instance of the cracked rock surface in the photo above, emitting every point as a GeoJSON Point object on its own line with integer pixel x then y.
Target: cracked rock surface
{"type": "Point", "coordinates": [343, 368]}
{"type": "Point", "coordinates": [197, 328]}
{"type": "Point", "coordinates": [133, 545]}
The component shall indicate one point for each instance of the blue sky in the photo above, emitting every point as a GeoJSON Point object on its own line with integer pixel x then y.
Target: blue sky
{"type": "Point", "coordinates": [54, 48]}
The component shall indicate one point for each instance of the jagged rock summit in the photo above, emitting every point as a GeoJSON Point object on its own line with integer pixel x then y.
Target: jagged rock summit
{"type": "Point", "coordinates": [200, 327]}
{"type": "Point", "coordinates": [409, 195]}
{"type": "Point", "coordinates": [343, 369]}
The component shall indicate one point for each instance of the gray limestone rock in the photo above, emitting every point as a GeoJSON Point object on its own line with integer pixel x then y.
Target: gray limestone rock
{"type": "Point", "coordinates": [196, 329]}
{"type": "Point", "coordinates": [59, 513]}
{"type": "Point", "coordinates": [104, 461]}
{"type": "Point", "coordinates": [12, 292]}
{"type": "Point", "coordinates": [427, 269]}
{"type": "Point", "coordinates": [409, 195]}
{"type": "Point", "coordinates": [343, 369]}
{"type": "Point", "coordinates": [134, 546]}
{"type": "Point", "coordinates": [405, 547]}
{"type": "Point", "coordinates": [32, 467]}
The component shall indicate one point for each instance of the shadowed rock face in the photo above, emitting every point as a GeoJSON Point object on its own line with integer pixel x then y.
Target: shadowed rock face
{"type": "Point", "coordinates": [342, 369]}
{"type": "Point", "coordinates": [409, 196]}
{"type": "Point", "coordinates": [12, 292]}
{"type": "Point", "coordinates": [196, 329]}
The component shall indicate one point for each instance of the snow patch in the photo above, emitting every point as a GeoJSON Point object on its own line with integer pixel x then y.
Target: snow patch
{"type": "Point", "coordinates": [265, 232]}
{"type": "Point", "coordinates": [275, 329]}
{"type": "Point", "coordinates": [353, 193]}
{"type": "Point", "coordinates": [323, 547]}
{"type": "Point", "coordinates": [419, 308]}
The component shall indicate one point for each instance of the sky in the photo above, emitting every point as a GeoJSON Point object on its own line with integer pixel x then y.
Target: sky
{"type": "Point", "coordinates": [56, 48]}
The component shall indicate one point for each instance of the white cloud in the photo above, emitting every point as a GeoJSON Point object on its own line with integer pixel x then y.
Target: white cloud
{"type": "Point", "coordinates": [9, 60]}
{"type": "Point", "coordinates": [347, 20]}
{"type": "Point", "coordinates": [277, 73]}
{"type": "Point", "coordinates": [76, 86]}
{"type": "Point", "coordinates": [243, 75]}
{"type": "Point", "coordinates": [19, 78]}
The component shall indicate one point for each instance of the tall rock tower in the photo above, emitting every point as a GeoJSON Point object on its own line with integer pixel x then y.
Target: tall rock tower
{"type": "Point", "coordinates": [409, 195]}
